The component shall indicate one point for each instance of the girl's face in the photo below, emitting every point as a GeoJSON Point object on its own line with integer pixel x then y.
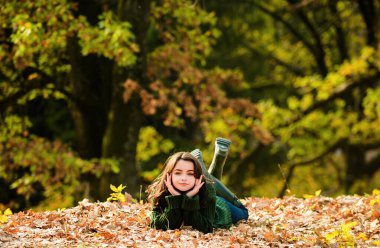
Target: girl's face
{"type": "Point", "coordinates": [183, 177]}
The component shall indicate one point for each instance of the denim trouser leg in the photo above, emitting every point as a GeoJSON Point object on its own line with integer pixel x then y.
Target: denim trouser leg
{"type": "Point", "coordinates": [236, 212]}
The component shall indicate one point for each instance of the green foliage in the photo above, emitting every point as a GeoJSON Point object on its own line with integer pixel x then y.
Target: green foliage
{"type": "Point", "coordinates": [112, 39]}
{"type": "Point", "coordinates": [316, 87]}
{"type": "Point", "coordinates": [309, 109]}
{"type": "Point", "coordinates": [151, 143]}
{"type": "Point", "coordinates": [39, 28]}
{"type": "Point", "coordinates": [38, 41]}
{"type": "Point", "coordinates": [184, 23]}
{"type": "Point", "coordinates": [33, 167]}
{"type": "Point", "coordinates": [340, 122]}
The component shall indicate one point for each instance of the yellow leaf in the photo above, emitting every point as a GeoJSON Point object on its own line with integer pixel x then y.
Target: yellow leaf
{"type": "Point", "coordinates": [120, 188]}
{"type": "Point", "coordinates": [32, 76]}
{"type": "Point", "coordinates": [318, 192]}
{"type": "Point", "coordinates": [331, 236]}
{"type": "Point", "coordinates": [3, 219]}
{"type": "Point", "coordinates": [8, 212]}
{"type": "Point", "coordinates": [375, 201]}
{"type": "Point", "coordinates": [376, 242]}
{"type": "Point", "coordinates": [177, 233]}
{"type": "Point", "coordinates": [293, 103]}
{"type": "Point", "coordinates": [348, 226]}
{"type": "Point", "coordinates": [113, 188]}
{"type": "Point", "coordinates": [306, 196]}
{"type": "Point", "coordinates": [376, 192]}
{"type": "Point", "coordinates": [362, 236]}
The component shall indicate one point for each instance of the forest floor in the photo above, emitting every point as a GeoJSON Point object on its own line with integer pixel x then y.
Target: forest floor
{"type": "Point", "coordinates": [289, 222]}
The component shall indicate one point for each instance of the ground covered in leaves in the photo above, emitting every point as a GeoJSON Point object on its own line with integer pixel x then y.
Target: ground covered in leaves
{"type": "Point", "coordinates": [288, 222]}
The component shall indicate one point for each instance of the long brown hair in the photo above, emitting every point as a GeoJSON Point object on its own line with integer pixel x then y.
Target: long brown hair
{"type": "Point", "coordinates": [158, 189]}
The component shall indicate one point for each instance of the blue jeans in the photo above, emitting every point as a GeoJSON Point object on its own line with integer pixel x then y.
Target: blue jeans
{"type": "Point", "coordinates": [237, 213]}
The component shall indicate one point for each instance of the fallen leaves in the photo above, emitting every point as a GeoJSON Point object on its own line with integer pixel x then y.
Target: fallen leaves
{"type": "Point", "coordinates": [287, 222]}
{"type": "Point", "coordinates": [376, 212]}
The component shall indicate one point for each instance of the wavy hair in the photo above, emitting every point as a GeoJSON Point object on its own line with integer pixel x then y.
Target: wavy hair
{"type": "Point", "coordinates": [158, 190]}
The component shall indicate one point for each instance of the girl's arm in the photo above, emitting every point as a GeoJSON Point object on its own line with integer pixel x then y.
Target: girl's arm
{"type": "Point", "coordinates": [199, 218]}
{"type": "Point", "coordinates": [169, 218]}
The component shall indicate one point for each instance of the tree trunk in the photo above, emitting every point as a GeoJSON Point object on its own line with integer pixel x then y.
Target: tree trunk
{"type": "Point", "coordinates": [91, 94]}
{"type": "Point", "coordinates": [90, 90]}
{"type": "Point", "coordinates": [89, 105]}
{"type": "Point", "coordinates": [355, 166]}
{"type": "Point", "coordinates": [368, 11]}
{"type": "Point", "coordinates": [126, 119]}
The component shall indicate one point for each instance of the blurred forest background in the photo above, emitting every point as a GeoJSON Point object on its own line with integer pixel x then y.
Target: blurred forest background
{"type": "Point", "coordinates": [100, 92]}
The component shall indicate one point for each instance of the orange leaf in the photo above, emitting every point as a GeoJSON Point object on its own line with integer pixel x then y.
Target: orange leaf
{"type": "Point", "coordinates": [375, 212]}
{"type": "Point", "coordinates": [107, 235]}
{"type": "Point", "coordinates": [177, 233]}
{"type": "Point", "coordinates": [32, 76]}
{"type": "Point", "coordinates": [269, 236]}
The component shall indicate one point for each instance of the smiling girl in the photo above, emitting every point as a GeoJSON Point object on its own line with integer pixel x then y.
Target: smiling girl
{"type": "Point", "coordinates": [183, 196]}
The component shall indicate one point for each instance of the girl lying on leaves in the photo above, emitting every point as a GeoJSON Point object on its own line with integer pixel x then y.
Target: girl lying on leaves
{"type": "Point", "coordinates": [186, 194]}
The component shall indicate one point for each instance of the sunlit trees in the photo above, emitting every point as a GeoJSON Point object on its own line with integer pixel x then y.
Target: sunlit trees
{"type": "Point", "coordinates": [326, 54]}
{"type": "Point", "coordinates": [119, 66]}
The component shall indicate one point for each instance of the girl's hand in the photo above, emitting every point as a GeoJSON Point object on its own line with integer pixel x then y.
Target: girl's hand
{"type": "Point", "coordinates": [169, 185]}
{"type": "Point", "coordinates": [198, 185]}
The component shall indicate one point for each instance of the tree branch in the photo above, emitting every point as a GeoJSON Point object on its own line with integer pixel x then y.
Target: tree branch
{"type": "Point", "coordinates": [30, 85]}
{"type": "Point", "coordinates": [292, 29]}
{"type": "Point", "coordinates": [296, 71]}
{"type": "Point", "coordinates": [344, 89]}
{"type": "Point", "coordinates": [340, 36]}
{"type": "Point", "coordinates": [373, 166]}
{"type": "Point", "coordinates": [315, 51]}
{"type": "Point", "coordinates": [368, 12]}
{"type": "Point", "coordinates": [318, 48]}
{"type": "Point", "coordinates": [289, 176]}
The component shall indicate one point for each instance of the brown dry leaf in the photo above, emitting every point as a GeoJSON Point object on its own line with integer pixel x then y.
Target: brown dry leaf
{"type": "Point", "coordinates": [233, 240]}
{"type": "Point", "coordinates": [375, 212]}
{"type": "Point", "coordinates": [195, 243]}
{"type": "Point", "coordinates": [269, 236]}
{"type": "Point", "coordinates": [287, 222]}
{"type": "Point", "coordinates": [128, 197]}
{"type": "Point", "coordinates": [107, 235]}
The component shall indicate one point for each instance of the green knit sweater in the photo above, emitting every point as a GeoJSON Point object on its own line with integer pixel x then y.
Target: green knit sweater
{"type": "Point", "coordinates": [183, 210]}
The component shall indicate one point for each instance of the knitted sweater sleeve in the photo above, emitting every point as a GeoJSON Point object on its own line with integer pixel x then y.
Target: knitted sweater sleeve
{"type": "Point", "coordinates": [199, 218]}
{"type": "Point", "coordinates": [170, 217]}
